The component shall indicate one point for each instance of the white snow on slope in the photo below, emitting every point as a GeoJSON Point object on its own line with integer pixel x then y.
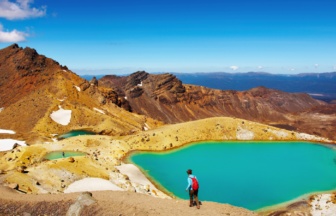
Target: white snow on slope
{"type": "Point", "coordinates": [135, 175]}
{"type": "Point", "coordinates": [140, 84]}
{"type": "Point", "coordinates": [323, 206]}
{"type": "Point", "coordinates": [78, 89]}
{"type": "Point", "coordinates": [92, 184]}
{"type": "Point", "coordinates": [7, 144]}
{"type": "Point", "coordinates": [243, 134]}
{"type": "Point", "coordinates": [7, 131]}
{"type": "Point", "coordinates": [145, 128]}
{"type": "Point", "coordinates": [125, 97]}
{"type": "Point", "coordinates": [147, 125]}
{"type": "Point", "coordinates": [98, 110]}
{"type": "Point", "coordinates": [61, 116]}
{"type": "Point", "coordinates": [2, 109]}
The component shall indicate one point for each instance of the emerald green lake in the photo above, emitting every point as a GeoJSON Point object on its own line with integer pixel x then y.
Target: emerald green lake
{"type": "Point", "coordinates": [59, 154]}
{"type": "Point", "coordinates": [252, 175]}
{"type": "Point", "coordinates": [75, 133]}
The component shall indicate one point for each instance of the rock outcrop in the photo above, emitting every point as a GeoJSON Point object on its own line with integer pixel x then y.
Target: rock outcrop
{"type": "Point", "coordinates": [165, 98]}
{"type": "Point", "coordinates": [33, 86]}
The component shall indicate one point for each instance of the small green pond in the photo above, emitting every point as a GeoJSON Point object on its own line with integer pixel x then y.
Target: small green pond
{"type": "Point", "coordinates": [59, 154]}
{"type": "Point", "coordinates": [75, 133]}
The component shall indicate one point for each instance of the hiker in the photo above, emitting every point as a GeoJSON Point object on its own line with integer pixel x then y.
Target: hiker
{"type": "Point", "coordinates": [63, 154]}
{"type": "Point", "coordinates": [193, 188]}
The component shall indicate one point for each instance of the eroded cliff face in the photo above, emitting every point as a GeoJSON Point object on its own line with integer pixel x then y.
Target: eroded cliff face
{"type": "Point", "coordinates": [33, 86]}
{"type": "Point", "coordinates": [164, 97]}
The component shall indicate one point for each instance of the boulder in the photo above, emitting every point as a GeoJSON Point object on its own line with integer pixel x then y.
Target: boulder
{"type": "Point", "coordinates": [85, 86]}
{"type": "Point", "coordinates": [13, 186]}
{"type": "Point", "coordinates": [71, 159]}
{"type": "Point", "coordinates": [16, 145]}
{"type": "Point", "coordinates": [94, 81]}
{"type": "Point", "coordinates": [83, 199]}
{"type": "Point", "coordinates": [21, 169]}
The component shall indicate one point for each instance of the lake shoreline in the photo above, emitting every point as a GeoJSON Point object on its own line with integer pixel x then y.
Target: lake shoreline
{"type": "Point", "coordinates": [128, 159]}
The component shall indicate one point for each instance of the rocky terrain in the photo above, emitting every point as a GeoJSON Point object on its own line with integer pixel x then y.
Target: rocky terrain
{"type": "Point", "coordinates": [41, 98]}
{"type": "Point", "coordinates": [33, 86]}
{"type": "Point", "coordinates": [166, 98]}
{"type": "Point", "coordinates": [24, 169]}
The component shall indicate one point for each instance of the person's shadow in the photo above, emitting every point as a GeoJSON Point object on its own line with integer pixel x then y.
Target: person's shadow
{"type": "Point", "coordinates": [195, 204]}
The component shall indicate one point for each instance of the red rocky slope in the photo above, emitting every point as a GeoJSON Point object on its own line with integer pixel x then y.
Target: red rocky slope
{"type": "Point", "coordinates": [164, 97]}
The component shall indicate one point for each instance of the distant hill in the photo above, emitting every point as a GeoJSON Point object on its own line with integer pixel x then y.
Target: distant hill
{"type": "Point", "coordinates": [319, 85]}
{"type": "Point", "coordinates": [90, 77]}
{"type": "Point", "coordinates": [165, 98]}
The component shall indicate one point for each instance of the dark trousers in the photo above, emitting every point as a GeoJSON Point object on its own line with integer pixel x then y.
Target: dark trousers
{"type": "Point", "coordinates": [193, 193]}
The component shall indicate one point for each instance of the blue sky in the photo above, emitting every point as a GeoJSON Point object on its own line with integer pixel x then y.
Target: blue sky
{"type": "Point", "coordinates": [93, 37]}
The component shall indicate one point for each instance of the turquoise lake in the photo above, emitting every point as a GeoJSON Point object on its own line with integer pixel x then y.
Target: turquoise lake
{"type": "Point", "coordinates": [75, 133]}
{"type": "Point", "coordinates": [59, 154]}
{"type": "Point", "coordinates": [252, 175]}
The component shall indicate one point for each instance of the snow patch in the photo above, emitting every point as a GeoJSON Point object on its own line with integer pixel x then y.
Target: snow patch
{"type": "Point", "coordinates": [125, 97]}
{"type": "Point", "coordinates": [243, 134]}
{"type": "Point", "coordinates": [305, 136]}
{"type": "Point", "coordinates": [140, 84]}
{"type": "Point", "coordinates": [61, 116]}
{"type": "Point", "coordinates": [98, 110]}
{"type": "Point", "coordinates": [2, 109]}
{"type": "Point", "coordinates": [147, 125]}
{"type": "Point", "coordinates": [55, 139]}
{"type": "Point", "coordinates": [78, 89]}
{"type": "Point", "coordinates": [135, 175]}
{"type": "Point", "coordinates": [7, 131]}
{"type": "Point", "coordinates": [322, 205]}
{"type": "Point", "coordinates": [65, 71]}
{"type": "Point", "coordinates": [145, 128]}
{"type": "Point", "coordinates": [279, 133]}
{"type": "Point", "coordinates": [92, 184]}
{"type": "Point", "coordinates": [7, 144]}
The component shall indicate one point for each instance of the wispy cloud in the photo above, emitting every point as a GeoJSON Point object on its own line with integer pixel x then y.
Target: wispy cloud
{"type": "Point", "coordinates": [259, 67]}
{"type": "Point", "coordinates": [13, 36]}
{"type": "Point", "coordinates": [334, 67]}
{"type": "Point", "coordinates": [291, 69]}
{"type": "Point", "coordinates": [234, 67]}
{"type": "Point", "coordinates": [316, 65]}
{"type": "Point", "coordinates": [20, 10]}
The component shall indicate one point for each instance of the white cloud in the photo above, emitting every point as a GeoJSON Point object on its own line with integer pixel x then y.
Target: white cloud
{"type": "Point", "coordinates": [234, 67]}
{"type": "Point", "coordinates": [13, 36]}
{"type": "Point", "coordinates": [316, 65]}
{"type": "Point", "coordinates": [20, 10]}
{"type": "Point", "coordinates": [259, 67]}
{"type": "Point", "coordinates": [334, 67]}
{"type": "Point", "coordinates": [292, 69]}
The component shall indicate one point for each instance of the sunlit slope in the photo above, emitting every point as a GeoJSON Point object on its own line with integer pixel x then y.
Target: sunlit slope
{"type": "Point", "coordinates": [33, 87]}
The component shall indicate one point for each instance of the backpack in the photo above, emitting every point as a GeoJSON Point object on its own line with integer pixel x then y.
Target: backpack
{"type": "Point", "coordinates": [195, 185]}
